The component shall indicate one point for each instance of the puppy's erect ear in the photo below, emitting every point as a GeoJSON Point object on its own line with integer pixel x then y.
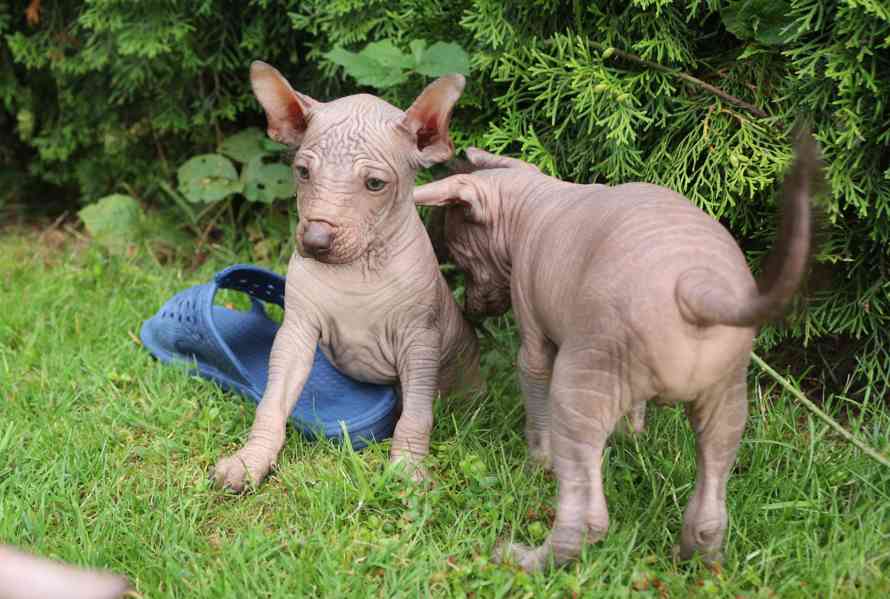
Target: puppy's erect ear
{"type": "Point", "coordinates": [457, 190]}
{"type": "Point", "coordinates": [426, 122]}
{"type": "Point", "coordinates": [483, 160]}
{"type": "Point", "coordinates": [286, 109]}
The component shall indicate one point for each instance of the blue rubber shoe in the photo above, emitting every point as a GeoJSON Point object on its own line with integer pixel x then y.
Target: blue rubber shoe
{"type": "Point", "coordinates": [232, 349]}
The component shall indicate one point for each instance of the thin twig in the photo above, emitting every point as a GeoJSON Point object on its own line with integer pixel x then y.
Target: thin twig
{"type": "Point", "coordinates": [693, 80]}
{"type": "Point", "coordinates": [160, 150]}
{"type": "Point", "coordinates": [679, 74]}
{"type": "Point", "coordinates": [872, 453]}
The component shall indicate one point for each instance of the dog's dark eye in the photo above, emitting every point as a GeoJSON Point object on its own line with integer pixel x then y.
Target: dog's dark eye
{"type": "Point", "coordinates": [302, 173]}
{"type": "Point", "coordinates": [374, 184]}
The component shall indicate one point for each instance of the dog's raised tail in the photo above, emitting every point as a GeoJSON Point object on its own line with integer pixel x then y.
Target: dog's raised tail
{"type": "Point", "coordinates": [704, 301]}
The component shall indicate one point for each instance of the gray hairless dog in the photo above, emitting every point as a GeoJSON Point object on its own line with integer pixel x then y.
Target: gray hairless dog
{"type": "Point", "coordinates": [622, 294]}
{"type": "Point", "coordinates": [364, 283]}
{"type": "Point", "coordinates": [25, 576]}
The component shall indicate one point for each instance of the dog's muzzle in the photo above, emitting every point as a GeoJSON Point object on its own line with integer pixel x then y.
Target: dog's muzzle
{"type": "Point", "coordinates": [318, 238]}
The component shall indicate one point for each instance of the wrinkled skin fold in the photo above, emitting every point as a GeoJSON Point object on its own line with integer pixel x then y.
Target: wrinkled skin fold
{"type": "Point", "coordinates": [364, 283]}
{"type": "Point", "coordinates": [622, 295]}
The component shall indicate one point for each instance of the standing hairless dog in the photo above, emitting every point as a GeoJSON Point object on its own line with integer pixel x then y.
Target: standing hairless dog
{"type": "Point", "coordinates": [622, 294]}
{"type": "Point", "coordinates": [364, 284]}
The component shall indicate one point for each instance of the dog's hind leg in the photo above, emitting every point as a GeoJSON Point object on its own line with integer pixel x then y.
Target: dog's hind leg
{"type": "Point", "coordinates": [718, 417]}
{"type": "Point", "coordinates": [536, 357]}
{"type": "Point", "coordinates": [586, 395]}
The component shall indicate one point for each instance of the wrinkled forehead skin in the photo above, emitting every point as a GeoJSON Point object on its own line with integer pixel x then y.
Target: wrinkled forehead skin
{"type": "Point", "coordinates": [354, 128]}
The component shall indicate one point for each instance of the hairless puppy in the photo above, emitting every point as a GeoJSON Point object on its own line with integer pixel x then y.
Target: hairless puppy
{"type": "Point", "coordinates": [622, 294]}
{"type": "Point", "coordinates": [24, 576]}
{"type": "Point", "coordinates": [364, 284]}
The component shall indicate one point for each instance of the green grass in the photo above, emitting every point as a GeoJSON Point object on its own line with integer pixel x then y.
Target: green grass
{"type": "Point", "coordinates": [104, 457]}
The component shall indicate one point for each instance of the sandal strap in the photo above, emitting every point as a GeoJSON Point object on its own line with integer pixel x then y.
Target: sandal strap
{"type": "Point", "coordinates": [256, 282]}
{"type": "Point", "coordinates": [193, 309]}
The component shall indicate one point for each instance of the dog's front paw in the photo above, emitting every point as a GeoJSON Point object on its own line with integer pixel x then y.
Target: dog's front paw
{"type": "Point", "coordinates": [243, 468]}
{"type": "Point", "coordinates": [412, 468]}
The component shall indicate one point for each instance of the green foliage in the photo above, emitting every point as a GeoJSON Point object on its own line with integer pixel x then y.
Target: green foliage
{"type": "Point", "coordinates": [766, 21]}
{"type": "Point", "coordinates": [382, 64]}
{"type": "Point", "coordinates": [210, 178]}
{"type": "Point", "coordinates": [113, 221]}
{"type": "Point", "coordinates": [105, 94]}
{"type": "Point", "coordinates": [120, 226]}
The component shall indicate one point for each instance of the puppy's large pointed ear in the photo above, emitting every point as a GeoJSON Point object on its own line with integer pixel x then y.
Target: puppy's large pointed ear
{"type": "Point", "coordinates": [426, 122]}
{"type": "Point", "coordinates": [457, 190]}
{"type": "Point", "coordinates": [482, 159]}
{"type": "Point", "coordinates": [286, 110]}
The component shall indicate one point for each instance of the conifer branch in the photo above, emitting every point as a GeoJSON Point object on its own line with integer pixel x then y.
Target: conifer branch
{"type": "Point", "coordinates": [694, 80]}
{"type": "Point", "coordinates": [611, 51]}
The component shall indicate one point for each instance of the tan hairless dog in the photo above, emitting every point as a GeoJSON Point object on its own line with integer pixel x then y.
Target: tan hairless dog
{"type": "Point", "coordinates": [25, 576]}
{"type": "Point", "coordinates": [364, 283]}
{"type": "Point", "coordinates": [622, 294]}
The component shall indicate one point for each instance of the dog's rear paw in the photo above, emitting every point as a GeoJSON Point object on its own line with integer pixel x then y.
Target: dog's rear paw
{"type": "Point", "coordinates": [541, 458]}
{"type": "Point", "coordinates": [530, 559]}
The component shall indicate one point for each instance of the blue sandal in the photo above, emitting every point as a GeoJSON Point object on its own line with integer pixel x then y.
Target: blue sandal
{"type": "Point", "coordinates": [232, 349]}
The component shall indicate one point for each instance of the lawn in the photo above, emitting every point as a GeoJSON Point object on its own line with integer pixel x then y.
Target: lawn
{"type": "Point", "coordinates": [105, 454]}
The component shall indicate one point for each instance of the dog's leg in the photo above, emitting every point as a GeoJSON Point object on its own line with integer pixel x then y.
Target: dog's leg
{"type": "Point", "coordinates": [718, 418]}
{"type": "Point", "coordinates": [585, 399]}
{"type": "Point", "coordinates": [634, 421]}
{"type": "Point", "coordinates": [291, 360]}
{"type": "Point", "coordinates": [418, 366]}
{"type": "Point", "coordinates": [459, 373]}
{"type": "Point", "coordinates": [535, 370]}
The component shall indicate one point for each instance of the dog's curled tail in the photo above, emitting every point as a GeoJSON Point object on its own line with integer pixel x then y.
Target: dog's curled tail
{"type": "Point", "coordinates": [703, 301]}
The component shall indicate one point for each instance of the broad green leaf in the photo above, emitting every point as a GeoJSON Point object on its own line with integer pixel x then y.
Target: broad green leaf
{"type": "Point", "coordinates": [418, 48]}
{"type": "Point", "coordinates": [361, 68]}
{"type": "Point", "coordinates": [266, 182]}
{"type": "Point", "coordinates": [113, 221]}
{"type": "Point", "coordinates": [367, 70]}
{"type": "Point", "coordinates": [207, 165]}
{"type": "Point", "coordinates": [762, 20]}
{"type": "Point", "coordinates": [271, 146]}
{"type": "Point", "coordinates": [244, 145]}
{"type": "Point", "coordinates": [208, 178]}
{"type": "Point", "coordinates": [389, 79]}
{"type": "Point", "coordinates": [388, 55]}
{"type": "Point", "coordinates": [442, 58]}
{"type": "Point", "coordinates": [210, 189]}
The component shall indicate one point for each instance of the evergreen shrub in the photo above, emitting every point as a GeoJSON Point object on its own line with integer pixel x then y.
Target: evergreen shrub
{"type": "Point", "coordinates": [109, 95]}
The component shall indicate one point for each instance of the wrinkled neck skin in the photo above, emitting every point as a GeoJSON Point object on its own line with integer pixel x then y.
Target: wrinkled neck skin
{"type": "Point", "coordinates": [400, 240]}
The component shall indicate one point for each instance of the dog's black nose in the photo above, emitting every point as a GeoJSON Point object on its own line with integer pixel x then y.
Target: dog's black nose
{"type": "Point", "coordinates": [318, 237]}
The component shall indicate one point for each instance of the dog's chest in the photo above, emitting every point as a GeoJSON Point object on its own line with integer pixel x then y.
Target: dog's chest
{"type": "Point", "coordinates": [361, 319]}
{"type": "Point", "coordinates": [356, 339]}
